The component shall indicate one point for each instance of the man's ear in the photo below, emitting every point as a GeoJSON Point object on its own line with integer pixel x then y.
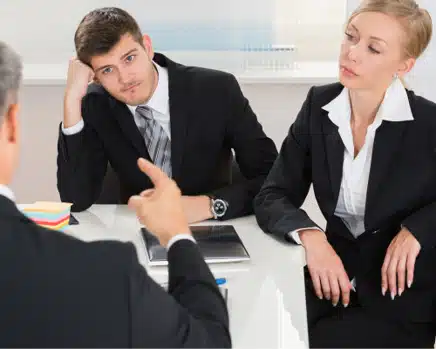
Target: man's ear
{"type": "Point", "coordinates": [11, 123]}
{"type": "Point", "coordinates": [146, 42]}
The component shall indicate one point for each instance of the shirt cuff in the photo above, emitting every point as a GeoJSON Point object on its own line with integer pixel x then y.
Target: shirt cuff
{"type": "Point", "coordinates": [69, 131]}
{"type": "Point", "coordinates": [178, 237]}
{"type": "Point", "coordinates": [296, 237]}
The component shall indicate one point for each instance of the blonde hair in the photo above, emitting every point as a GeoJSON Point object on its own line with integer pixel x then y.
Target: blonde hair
{"type": "Point", "coordinates": [415, 21]}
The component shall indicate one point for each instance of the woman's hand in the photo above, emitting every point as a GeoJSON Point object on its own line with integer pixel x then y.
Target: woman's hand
{"type": "Point", "coordinates": [399, 261]}
{"type": "Point", "coordinates": [325, 267]}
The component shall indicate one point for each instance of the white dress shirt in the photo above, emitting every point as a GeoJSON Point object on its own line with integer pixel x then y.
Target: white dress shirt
{"type": "Point", "coordinates": [355, 173]}
{"type": "Point", "coordinates": [179, 237]}
{"type": "Point", "coordinates": [159, 103]}
{"type": "Point", "coordinates": [7, 192]}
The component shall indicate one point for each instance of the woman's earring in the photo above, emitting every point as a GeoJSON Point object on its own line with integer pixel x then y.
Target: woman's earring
{"type": "Point", "coordinates": [395, 76]}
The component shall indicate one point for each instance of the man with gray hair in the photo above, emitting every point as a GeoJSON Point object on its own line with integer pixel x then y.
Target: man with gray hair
{"type": "Point", "coordinates": [10, 77]}
{"type": "Point", "coordinates": [59, 291]}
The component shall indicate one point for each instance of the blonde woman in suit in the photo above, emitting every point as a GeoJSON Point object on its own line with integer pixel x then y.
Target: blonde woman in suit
{"type": "Point", "coordinates": [368, 146]}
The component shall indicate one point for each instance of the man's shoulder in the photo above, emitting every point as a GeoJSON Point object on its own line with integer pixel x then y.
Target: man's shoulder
{"type": "Point", "coordinates": [202, 77]}
{"type": "Point", "coordinates": [96, 89]}
{"type": "Point", "coordinates": [185, 71]}
{"type": "Point", "coordinates": [208, 73]}
{"type": "Point", "coordinates": [96, 100]}
{"type": "Point", "coordinates": [64, 249]}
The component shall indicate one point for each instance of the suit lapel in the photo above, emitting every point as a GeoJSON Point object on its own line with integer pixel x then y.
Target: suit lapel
{"type": "Point", "coordinates": [128, 126]}
{"type": "Point", "coordinates": [335, 158]}
{"type": "Point", "coordinates": [387, 144]}
{"type": "Point", "coordinates": [179, 112]}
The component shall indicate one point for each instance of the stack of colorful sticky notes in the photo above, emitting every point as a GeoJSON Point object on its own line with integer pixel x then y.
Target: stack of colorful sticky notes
{"type": "Point", "coordinates": [52, 215]}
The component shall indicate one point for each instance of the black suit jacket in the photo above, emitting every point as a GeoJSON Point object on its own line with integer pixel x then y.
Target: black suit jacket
{"type": "Point", "coordinates": [209, 118]}
{"type": "Point", "coordinates": [61, 292]}
{"type": "Point", "coordinates": [401, 191]}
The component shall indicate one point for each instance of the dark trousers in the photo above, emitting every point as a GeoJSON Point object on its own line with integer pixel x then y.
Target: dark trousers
{"type": "Point", "coordinates": [356, 327]}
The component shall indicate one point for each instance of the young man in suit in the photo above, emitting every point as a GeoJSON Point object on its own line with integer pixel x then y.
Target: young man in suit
{"type": "Point", "coordinates": [186, 120]}
{"type": "Point", "coordinates": [61, 292]}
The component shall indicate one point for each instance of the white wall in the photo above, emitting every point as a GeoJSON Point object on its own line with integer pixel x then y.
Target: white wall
{"type": "Point", "coordinates": [422, 77]}
{"type": "Point", "coordinates": [45, 29]}
{"type": "Point", "coordinates": [42, 31]}
{"type": "Point", "coordinates": [314, 26]}
{"type": "Point", "coordinates": [351, 5]}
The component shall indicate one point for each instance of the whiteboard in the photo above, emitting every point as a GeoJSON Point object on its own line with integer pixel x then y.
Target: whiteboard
{"type": "Point", "coordinates": [42, 31]}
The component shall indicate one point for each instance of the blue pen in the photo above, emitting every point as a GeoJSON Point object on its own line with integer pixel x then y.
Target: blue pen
{"type": "Point", "coordinates": [220, 281]}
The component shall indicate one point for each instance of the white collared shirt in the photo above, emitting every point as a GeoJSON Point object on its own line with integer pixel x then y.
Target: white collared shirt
{"type": "Point", "coordinates": [158, 103]}
{"type": "Point", "coordinates": [351, 203]}
{"type": "Point", "coordinates": [7, 192]}
{"type": "Point", "coordinates": [179, 237]}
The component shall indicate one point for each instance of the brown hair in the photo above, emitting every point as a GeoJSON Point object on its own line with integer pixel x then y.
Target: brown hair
{"type": "Point", "coordinates": [101, 29]}
{"type": "Point", "coordinates": [415, 21]}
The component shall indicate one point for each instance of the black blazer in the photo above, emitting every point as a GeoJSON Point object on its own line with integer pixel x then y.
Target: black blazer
{"type": "Point", "coordinates": [401, 190]}
{"type": "Point", "coordinates": [61, 292]}
{"type": "Point", "coordinates": [210, 117]}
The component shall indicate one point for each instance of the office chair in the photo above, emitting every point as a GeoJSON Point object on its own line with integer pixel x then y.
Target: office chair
{"type": "Point", "coordinates": [111, 189]}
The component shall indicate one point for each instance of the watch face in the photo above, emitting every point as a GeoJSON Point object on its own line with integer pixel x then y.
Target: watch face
{"type": "Point", "coordinates": [220, 207]}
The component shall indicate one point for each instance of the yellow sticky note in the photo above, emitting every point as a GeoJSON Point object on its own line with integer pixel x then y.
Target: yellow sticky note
{"type": "Point", "coordinates": [47, 206]}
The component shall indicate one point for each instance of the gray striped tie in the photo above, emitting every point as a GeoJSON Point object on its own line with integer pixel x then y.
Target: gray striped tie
{"type": "Point", "coordinates": [156, 140]}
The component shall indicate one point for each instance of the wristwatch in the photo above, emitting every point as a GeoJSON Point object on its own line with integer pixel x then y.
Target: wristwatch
{"type": "Point", "coordinates": [218, 207]}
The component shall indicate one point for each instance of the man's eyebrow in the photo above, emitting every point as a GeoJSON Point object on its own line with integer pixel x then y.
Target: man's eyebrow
{"type": "Point", "coordinates": [122, 57]}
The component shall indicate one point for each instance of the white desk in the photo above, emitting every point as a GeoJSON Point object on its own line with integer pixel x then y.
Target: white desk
{"type": "Point", "coordinates": [266, 295]}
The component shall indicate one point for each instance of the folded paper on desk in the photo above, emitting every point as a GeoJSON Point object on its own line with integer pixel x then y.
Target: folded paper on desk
{"type": "Point", "coordinates": [52, 215]}
{"type": "Point", "coordinates": [217, 243]}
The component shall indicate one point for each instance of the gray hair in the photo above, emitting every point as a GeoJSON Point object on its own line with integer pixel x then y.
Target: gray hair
{"type": "Point", "coordinates": [10, 76]}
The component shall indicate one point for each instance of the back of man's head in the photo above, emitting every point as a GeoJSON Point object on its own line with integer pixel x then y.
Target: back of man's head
{"type": "Point", "coordinates": [101, 29]}
{"type": "Point", "coordinates": [10, 79]}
